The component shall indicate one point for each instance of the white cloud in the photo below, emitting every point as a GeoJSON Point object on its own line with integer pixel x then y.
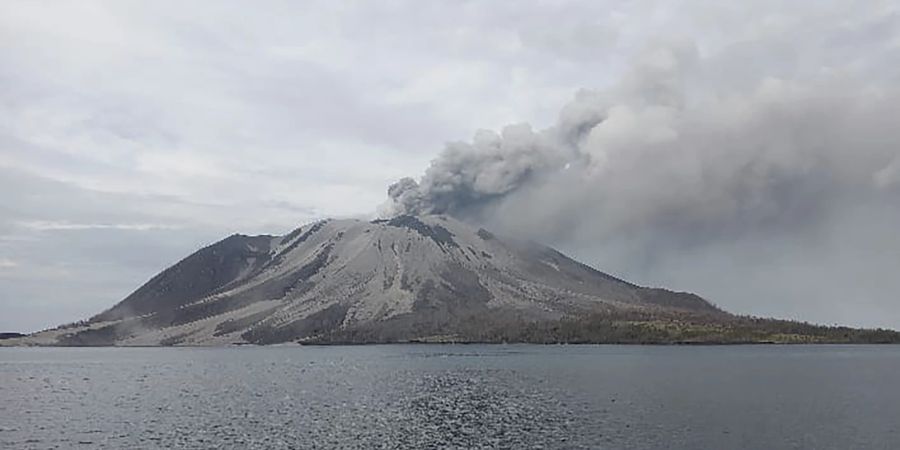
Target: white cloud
{"type": "Point", "coordinates": [47, 225]}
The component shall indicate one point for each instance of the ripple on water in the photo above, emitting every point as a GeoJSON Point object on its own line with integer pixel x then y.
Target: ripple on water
{"type": "Point", "coordinates": [445, 397]}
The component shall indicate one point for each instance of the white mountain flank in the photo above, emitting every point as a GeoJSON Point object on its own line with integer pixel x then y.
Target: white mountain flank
{"type": "Point", "coordinates": [397, 280]}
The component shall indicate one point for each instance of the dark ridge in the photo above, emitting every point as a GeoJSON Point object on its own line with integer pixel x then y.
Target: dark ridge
{"type": "Point", "coordinates": [288, 237]}
{"type": "Point", "coordinates": [459, 289]}
{"type": "Point", "coordinates": [296, 281]}
{"type": "Point", "coordinates": [378, 221]}
{"type": "Point", "coordinates": [311, 268]}
{"type": "Point", "coordinates": [315, 324]}
{"type": "Point", "coordinates": [199, 275]}
{"type": "Point", "coordinates": [440, 235]}
{"type": "Point", "coordinates": [683, 300]}
{"type": "Point", "coordinates": [180, 315]}
{"type": "Point", "coordinates": [194, 312]}
{"type": "Point", "coordinates": [11, 335]}
{"type": "Point", "coordinates": [233, 325]}
{"type": "Point", "coordinates": [314, 228]}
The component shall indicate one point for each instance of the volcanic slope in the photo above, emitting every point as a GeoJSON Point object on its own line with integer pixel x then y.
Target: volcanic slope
{"type": "Point", "coordinates": [429, 278]}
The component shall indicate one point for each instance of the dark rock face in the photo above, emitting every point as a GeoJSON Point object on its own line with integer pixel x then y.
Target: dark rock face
{"type": "Point", "coordinates": [201, 274]}
{"type": "Point", "coordinates": [403, 279]}
{"type": "Point", "coordinates": [11, 335]}
{"type": "Point", "coordinates": [436, 233]}
{"type": "Point", "coordinates": [314, 324]}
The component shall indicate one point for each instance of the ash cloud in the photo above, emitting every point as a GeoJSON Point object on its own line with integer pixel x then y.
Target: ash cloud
{"type": "Point", "coordinates": [468, 176]}
{"type": "Point", "coordinates": [750, 181]}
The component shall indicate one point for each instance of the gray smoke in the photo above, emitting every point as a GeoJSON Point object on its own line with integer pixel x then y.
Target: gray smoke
{"type": "Point", "coordinates": [469, 175]}
{"type": "Point", "coordinates": [670, 163]}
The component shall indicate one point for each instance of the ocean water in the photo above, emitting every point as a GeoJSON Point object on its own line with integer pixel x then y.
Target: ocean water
{"type": "Point", "coordinates": [451, 396]}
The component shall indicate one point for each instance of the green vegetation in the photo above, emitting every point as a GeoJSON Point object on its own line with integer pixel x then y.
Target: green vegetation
{"type": "Point", "coordinates": [636, 327]}
{"type": "Point", "coordinates": [695, 330]}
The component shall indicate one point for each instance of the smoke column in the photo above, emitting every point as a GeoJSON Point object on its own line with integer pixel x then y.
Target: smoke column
{"type": "Point", "coordinates": [770, 198]}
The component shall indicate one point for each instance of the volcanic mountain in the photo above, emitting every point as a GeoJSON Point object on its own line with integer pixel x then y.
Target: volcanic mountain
{"type": "Point", "coordinates": [406, 279]}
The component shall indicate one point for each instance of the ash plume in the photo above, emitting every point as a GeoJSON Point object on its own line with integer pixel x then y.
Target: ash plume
{"type": "Point", "coordinates": [672, 162]}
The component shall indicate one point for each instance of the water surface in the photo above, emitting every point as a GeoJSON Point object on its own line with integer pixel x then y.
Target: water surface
{"type": "Point", "coordinates": [466, 396]}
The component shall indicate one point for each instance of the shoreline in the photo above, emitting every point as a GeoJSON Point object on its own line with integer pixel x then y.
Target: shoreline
{"type": "Point", "coordinates": [472, 343]}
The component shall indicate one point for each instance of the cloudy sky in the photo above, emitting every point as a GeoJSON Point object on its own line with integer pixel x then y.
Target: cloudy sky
{"type": "Point", "coordinates": [744, 151]}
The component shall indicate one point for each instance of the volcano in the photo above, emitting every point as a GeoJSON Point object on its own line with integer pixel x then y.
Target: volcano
{"type": "Point", "coordinates": [406, 279]}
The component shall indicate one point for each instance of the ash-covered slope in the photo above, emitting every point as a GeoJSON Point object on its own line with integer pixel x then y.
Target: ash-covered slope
{"type": "Point", "coordinates": [408, 278]}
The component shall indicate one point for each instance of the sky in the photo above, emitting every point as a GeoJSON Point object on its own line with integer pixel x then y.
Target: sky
{"type": "Point", "coordinates": [745, 151]}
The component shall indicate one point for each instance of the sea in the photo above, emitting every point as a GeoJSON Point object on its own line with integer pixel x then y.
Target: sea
{"type": "Point", "coordinates": [452, 396]}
